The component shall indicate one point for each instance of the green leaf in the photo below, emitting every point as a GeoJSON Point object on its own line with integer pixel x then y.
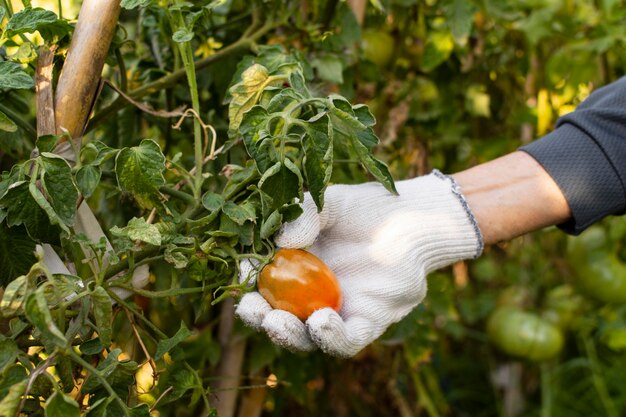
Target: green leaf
{"type": "Point", "coordinates": [174, 257]}
{"type": "Point", "coordinates": [182, 35]}
{"type": "Point", "coordinates": [142, 410]}
{"type": "Point", "coordinates": [238, 213]}
{"type": "Point", "coordinates": [13, 298]}
{"type": "Point", "coordinates": [30, 20]}
{"type": "Point", "coordinates": [59, 185]}
{"type": "Point", "coordinates": [132, 4]}
{"type": "Point", "coordinates": [138, 229]}
{"type": "Point", "coordinates": [246, 93]}
{"type": "Point", "coordinates": [103, 313]}
{"type": "Point", "coordinates": [17, 253]}
{"type": "Point", "coordinates": [318, 156]}
{"type": "Point", "coordinates": [460, 15]}
{"type": "Point", "coordinates": [271, 224]}
{"type": "Point", "coordinates": [9, 404]}
{"type": "Point", "coordinates": [46, 143]}
{"type": "Point", "coordinates": [13, 77]}
{"type": "Point", "coordinates": [61, 405]}
{"type": "Point", "coordinates": [256, 138]}
{"type": "Point", "coordinates": [45, 205]}
{"type": "Point", "coordinates": [8, 351]}
{"type": "Point", "coordinates": [283, 183]}
{"type": "Point", "coordinates": [212, 201]}
{"type": "Point", "coordinates": [38, 313]}
{"type": "Point", "coordinates": [7, 124]}
{"type": "Point", "coordinates": [168, 344]}
{"type": "Point", "coordinates": [87, 179]}
{"type": "Point", "coordinates": [139, 171]}
{"type": "Point", "coordinates": [350, 130]}
{"type": "Point", "coordinates": [329, 68]}
{"type": "Point", "coordinates": [22, 209]}
{"type": "Point", "coordinates": [91, 347]}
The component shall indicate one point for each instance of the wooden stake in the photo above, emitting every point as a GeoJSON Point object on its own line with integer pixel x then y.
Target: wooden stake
{"type": "Point", "coordinates": [78, 83]}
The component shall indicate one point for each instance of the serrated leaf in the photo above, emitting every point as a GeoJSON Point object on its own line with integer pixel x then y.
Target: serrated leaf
{"type": "Point", "coordinates": [17, 253]}
{"type": "Point", "coordinates": [139, 171]}
{"type": "Point", "coordinates": [103, 313]}
{"type": "Point", "coordinates": [59, 185]}
{"type": "Point", "coordinates": [257, 139]}
{"type": "Point", "coordinates": [168, 344]}
{"type": "Point", "coordinates": [318, 156]}
{"type": "Point", "coordinates": [283, 185]}
{"type": "Point", "coordinates": [238, 213]}
{"type": "Point", "coordinates": [138, 229]}
{"type": "Point", "coordinates": [132, 4]}
{"type": "Point", "coordinates": [45, 205]}
{"type": "Point", "coordinates": [212, 201]}
{"type": "Point", "coordinates": [349, 130]}
{"type": "Point", "coordinates": [174, 257]}
{"type": "Point", "coordinates": [61, 405]}
{"type": "Point", "coordinates": [13, 77]}
{"type": "Point", "coordinates": [271, 224]}
{"type": "Point", "coordinates": [38, 313]}
{"type": "Point", "coordinates": [246, 93]}
{"type": "Point", "coordinates": [22, 209]}
{"type": "Point", "coordinates": [31, 19]}
{"type": "Point", "coordinates": [460, 16]}
{"type": "Point", "coordinates": [7, 124]}
{"type": "Point", "coordinates": [87, 179]}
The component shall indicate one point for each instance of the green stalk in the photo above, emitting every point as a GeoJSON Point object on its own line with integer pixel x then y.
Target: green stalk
{"type": "Point", "coordinates": [8, 7]}
{"type": "Point", "coordinates": [598, 381]}
{"type": "Point", "coordinates": [187, 56]}
{"type": "Point", "coordinates": [546, 391]}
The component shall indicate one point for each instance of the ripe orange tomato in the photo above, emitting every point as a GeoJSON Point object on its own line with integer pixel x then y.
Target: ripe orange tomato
{"type": "Point", "coordinates": [299, 282]}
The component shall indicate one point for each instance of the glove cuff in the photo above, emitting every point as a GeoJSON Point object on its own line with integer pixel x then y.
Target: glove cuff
{"type": "Point", "coordinates": [455, 232]}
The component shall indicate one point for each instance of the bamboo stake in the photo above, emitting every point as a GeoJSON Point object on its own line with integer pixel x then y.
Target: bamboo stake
{"type": "Point", "coordinates": [43, 89]}
{"type": "Point", "coordinates": [78, 83]}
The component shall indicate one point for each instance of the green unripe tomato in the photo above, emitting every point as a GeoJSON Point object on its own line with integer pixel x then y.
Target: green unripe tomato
{"type": "Point", "coordinates": [523, 334]}
{"type": "Point", "coordinates": [377, 47]}
{"type": "Point", "coordinates": [602, 277]}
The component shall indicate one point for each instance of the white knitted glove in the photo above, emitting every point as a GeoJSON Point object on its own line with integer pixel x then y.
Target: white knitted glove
{"type": "Point", "coordinates": [381, 247]}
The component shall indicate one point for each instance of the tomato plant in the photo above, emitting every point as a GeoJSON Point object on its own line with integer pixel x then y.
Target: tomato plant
{"type": "Point", "coordinates": [299, 282]}
{"type": "Point", "coordinates": [212, 119]}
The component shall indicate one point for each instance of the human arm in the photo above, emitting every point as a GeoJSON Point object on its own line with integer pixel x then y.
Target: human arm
{"type": "Point", "coordinates": [511, 196]}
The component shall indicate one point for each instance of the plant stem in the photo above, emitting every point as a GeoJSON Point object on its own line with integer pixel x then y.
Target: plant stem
{"type": "Point", "coordinates": [95, 373]}
{"type": "Point", "coordinates": [598, 381]}
{"type": "Point", "coordinates": [30, 131]}
{"type": "Point", "coordinates": [8, 7]}
{"type": "Point", "coordinates": [163, 293]}
{"type": "Point", "coordinates": [143, 318]}
{"type": "Point", "coordinates": [187, 198]}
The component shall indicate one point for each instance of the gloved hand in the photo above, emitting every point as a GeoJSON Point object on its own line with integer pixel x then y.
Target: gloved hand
{"type": "Point", "coordinates": [381, 247]}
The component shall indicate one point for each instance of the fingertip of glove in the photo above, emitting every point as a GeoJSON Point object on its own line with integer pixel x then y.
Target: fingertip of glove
{"type": "Point", "coordinates": [248, 270]}
{"type": "Point", "coordinates": [252, 309]}
{"type": "Point", "coordinates": [338, 337]}
{"type": "Point", "coordinates": [288, 331]}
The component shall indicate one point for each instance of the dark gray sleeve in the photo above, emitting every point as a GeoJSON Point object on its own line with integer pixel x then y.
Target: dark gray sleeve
{"type": "Point", "coordinates": [586, 156]}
